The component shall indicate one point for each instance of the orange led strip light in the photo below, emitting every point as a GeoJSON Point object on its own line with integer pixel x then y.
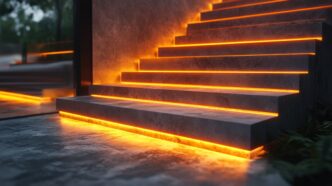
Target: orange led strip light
{"type": "Point", "coordinates": [169, 137]}
{"type": "Point", "coordinates": [262, 113]}
{"type": "Point", "coordinates": [250, 42]}
{"type": "Point", "coordinates": [224, 72]}
{"type": "Point", "coordinates": [214, 87]}
{"type": "Point", "coordinates": [54, 53]}
{"type": "Point", "coordinates": [23, 97]}
{"type": "Point", "coordinates": [267, 14]}
{"type": "Point", "coordinates": [248, 5]}
{"type": "Point", "coordinates": [243, 55]}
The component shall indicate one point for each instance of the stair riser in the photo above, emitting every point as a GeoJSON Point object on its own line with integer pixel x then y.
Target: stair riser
{"type": "Point", "coordinates": [233, 80]}
{"type": "Point", "coordinates": [269, 31]}
{"type": "Point", "coordinates": [308, 15]}
{"type": "Point", "coordinates": [228, 100]}
{"type": "Point", "coordinates": [278, 63]}
{"type": "Point", "coordinates": [273, 7]}
{"type": "Point", "coordinates": [226, 4]}
{"type": "Point", "coordinates": [214, 131]}
{"type": "Point", "coordinates": [257, 48]}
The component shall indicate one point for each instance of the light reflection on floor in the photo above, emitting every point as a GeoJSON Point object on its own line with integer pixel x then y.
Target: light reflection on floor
{"type": "Point", "coordinates": [14, 108]}
{"type": "Point", "coordinates": [134, 143]}
{"type": "Point", "coordinates": [47, 150]}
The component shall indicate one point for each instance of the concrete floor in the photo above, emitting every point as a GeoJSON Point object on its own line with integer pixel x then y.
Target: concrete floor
{"type": "Point", "coordinates": [48, 150]}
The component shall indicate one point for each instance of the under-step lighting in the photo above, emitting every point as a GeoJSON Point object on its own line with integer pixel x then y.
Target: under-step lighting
{"type": "Point", "coordinates": [242, 55]}
{"type": "Point", "coordinates": [249, 154]}
{"type": "Point", "coordinates": [23, 97]}
{"type": "Point", "coordinates": [243, 111]}
{"type": "Point", "coordinates": [53, 53]}
{"type": "Point", "coordinates": [249, 42]}
{"type": "Point", "coordinates": [224, 72]}
{"type": "Point", "coordinates": [213, 87]}
{"type": "Point", "coordinates": [251, 4]}
{"type": "Point", "coordinates": [268, 14]}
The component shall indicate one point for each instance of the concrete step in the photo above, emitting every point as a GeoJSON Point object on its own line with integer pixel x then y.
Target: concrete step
{"type": "Point", "coordinates": [285, 16]}
{"type": "Point", "coordinates": [234, 3]}
{"type": "Point", "coordinates": [239, 48]}
{"type": "Point", "coordinates": [272, 81]}
{"type": "Point", "coordinates": [246, 101]}
{"type": "Point", "coordinates": [298, 62]}
{"type": "Point", "coordinates": [246, 131]}
{"type": "Point", "coordinates": [265, 8]}
{"type": "Point", "coordinates": [254, 32]}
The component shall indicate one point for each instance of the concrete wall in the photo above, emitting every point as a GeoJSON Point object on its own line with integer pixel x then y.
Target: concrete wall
{"type": "Point", "coordinates": [126, 30]}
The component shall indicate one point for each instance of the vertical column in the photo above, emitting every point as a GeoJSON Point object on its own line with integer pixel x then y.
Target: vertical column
{"type": "Point", "coordinates": [82, 46]}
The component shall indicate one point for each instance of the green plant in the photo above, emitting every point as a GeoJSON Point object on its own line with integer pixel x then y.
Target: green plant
{"type": "Point", "coordinates": [305, 157]}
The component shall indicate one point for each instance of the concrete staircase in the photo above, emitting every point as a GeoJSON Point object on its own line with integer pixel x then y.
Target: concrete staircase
{"type": "Point", "coordinates": [246, 71]}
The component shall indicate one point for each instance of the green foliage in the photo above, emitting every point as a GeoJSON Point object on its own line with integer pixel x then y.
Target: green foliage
{"type": "Point", "coordinates": [305, 157]}
{"type": "Point", "coordinates": [22, 28]}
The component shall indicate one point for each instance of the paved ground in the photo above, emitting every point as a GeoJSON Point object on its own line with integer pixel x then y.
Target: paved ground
{"type": "Point", "coordinates": [48, 150]}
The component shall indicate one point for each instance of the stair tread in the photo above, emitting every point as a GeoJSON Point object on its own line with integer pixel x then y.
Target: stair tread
{"type": "Point", "coordinates": [278, 62]}
{"type": "Point", "coordinates": [267, 19]}
{"type": "Point", "coordinates": [222, 116]}
{"type": "Point", "coordinates": [258, 26]}
{"type": "Point", "coordinates": [221, 91]}
{"type": "Point", "coordinates": [298, 5]}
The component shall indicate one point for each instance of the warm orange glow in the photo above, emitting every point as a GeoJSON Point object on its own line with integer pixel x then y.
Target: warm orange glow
{"type": "Point", "coordinates": [23, 97]}
{"type": "Point", "coordinates": [254, 112]}
{"type": "Point", "coordinates": [250, 42]}
{"type": "Point", "coordinates": [243, 55]}
{"type": "Point", "coordinates": [224, 72]}
{"type": "Point", "coordinates": [213, 87]}
{"type": "Point", "coordinates": [268, 13]}
{"type": "Point", "coordinates": [54, 53]}
{"type": "Point", "coordinates": [251, 4]}
{"type": "Point", "coordinates": [169, 137]}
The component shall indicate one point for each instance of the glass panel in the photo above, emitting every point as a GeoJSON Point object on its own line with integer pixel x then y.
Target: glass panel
{"type": "Point", "coordinates": [36, 54]}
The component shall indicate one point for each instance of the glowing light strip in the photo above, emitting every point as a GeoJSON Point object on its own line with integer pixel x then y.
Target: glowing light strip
{"type": "Point", "coordinates": [23, 97]}
{"type": "Point", "coordinates": [249, 42]}
{"type": "Point", "coordinates": [267, 14]}
{"type": "Point", "coordinates": [243, 55]}
{"type": "Point", "coordinates": [223, 72]}
{"type": "Point", "coordinates": [214, 87]}
{"type": "Point", "coordinates": [248, 5]}
{"type": "Point", "coordinates": [169, 137]}
{"type": "Point", "coordinates": [54, 53]}
{"type": "Point", "coordinates": [253, 112]}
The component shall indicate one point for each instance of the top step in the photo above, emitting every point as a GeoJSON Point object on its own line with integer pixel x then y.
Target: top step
{"type": "Point", "coordinates": [275, 7]}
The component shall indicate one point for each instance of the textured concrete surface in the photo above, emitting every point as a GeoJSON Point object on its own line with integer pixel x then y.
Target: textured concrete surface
{"type": "Point", "coordinates": [264, 101]}
{"type": "Point", "coordinates": [246, 131]}
{"type": "Point", "coordinates": [276, 6]}
{"type": "Point", "coordinates": [126, 30]}
{"type": "Point", "coordinates": [47, 150]}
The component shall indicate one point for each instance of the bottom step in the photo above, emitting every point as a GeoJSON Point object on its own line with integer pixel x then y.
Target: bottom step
{"type": "Point", "coordinates": [231, 133]}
